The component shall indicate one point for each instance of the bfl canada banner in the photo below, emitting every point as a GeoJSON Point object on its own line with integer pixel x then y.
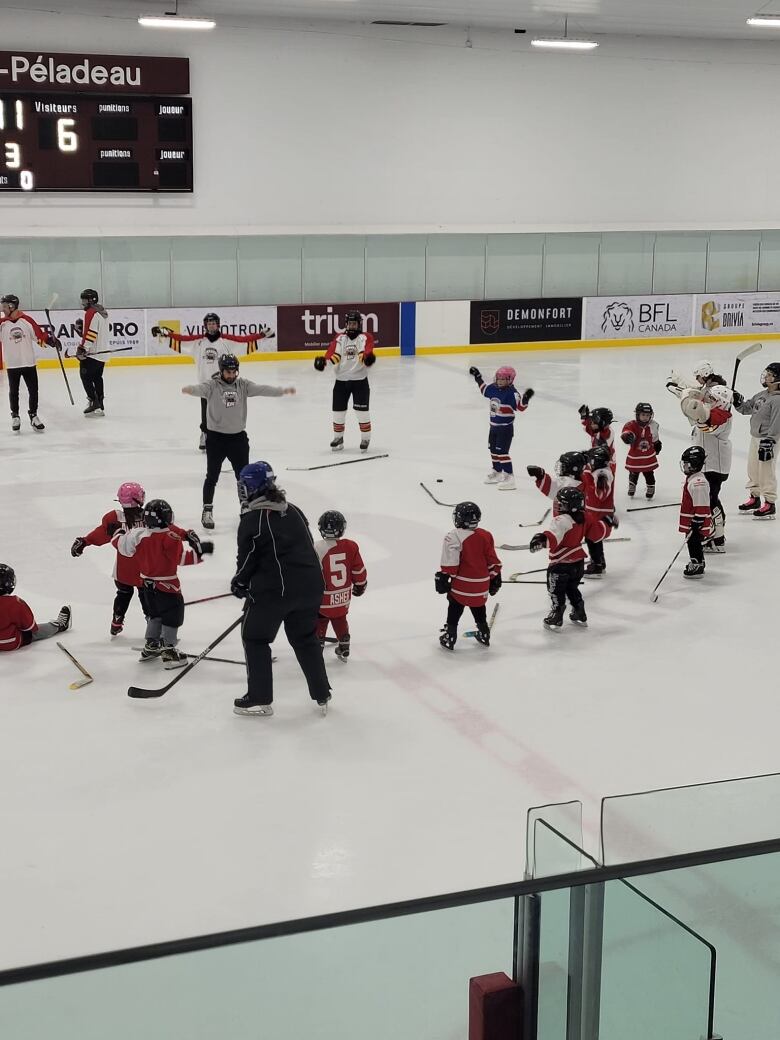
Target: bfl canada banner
{"type": "Point", "coordinates": [629, 317]}
{"type": "Point", "coordinates": [526, 321]}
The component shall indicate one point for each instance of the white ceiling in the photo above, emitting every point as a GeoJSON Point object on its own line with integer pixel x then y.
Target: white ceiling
{"type": "Point", "coordinates": [724, 19]}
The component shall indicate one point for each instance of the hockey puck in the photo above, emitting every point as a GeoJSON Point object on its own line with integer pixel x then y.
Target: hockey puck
{"type": "Point", "coordinates": [439, 480]}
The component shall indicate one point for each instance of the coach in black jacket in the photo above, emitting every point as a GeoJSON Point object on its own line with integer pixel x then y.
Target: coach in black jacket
{"type": "Point", "coordinates": [279, 574]}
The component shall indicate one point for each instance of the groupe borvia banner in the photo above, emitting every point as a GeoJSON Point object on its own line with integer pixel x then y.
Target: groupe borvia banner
{"type": "Point", "coordinates": [724, 314]}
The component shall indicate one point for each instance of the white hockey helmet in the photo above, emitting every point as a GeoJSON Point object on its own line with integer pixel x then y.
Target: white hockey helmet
{"type": "Point", "coordinates": [720, 396]}
{"type": "Point", "coordinates": [703, 370]}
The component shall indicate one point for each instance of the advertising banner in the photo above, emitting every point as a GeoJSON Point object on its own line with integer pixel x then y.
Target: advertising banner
{"type": "Point", "coordinates": [127, 330]}
{"type": "Point", "coordinates": [731, 313]}
{"type": "Point", "coordinates": [632, 317]}
{"type": "Point", "coordinates": [526, 321]}
{"type": "Point", "coordinates": [237, 321]}
{"type": "Point", "coordinates": [313, 326]}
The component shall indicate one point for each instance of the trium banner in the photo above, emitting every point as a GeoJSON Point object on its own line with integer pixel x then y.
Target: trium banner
{"type": "Point", "coordinates": [632, 317]}
{"type": "Point", "coordinates": [238, 321]}
{"type": "Point", "coordinates": [719, 314]}
{"type": "Point", "coordinates": [313, 326]}
{"type": "Point", "coordinates": [526, 321]}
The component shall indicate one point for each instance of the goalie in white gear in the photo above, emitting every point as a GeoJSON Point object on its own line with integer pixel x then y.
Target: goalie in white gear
{"type": "Point", "coordinates": [704, 376]}
{"type": "Point", "coordinates": [710, 419]}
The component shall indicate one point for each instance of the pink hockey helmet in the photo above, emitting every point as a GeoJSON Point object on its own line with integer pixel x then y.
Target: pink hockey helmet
{"type": "Point", "coordinates": [130, 494]}
{"type": "Point", "coordinates": [507, 372]}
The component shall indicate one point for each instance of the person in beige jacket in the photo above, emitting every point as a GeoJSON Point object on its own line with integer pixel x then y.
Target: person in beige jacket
{"type": "Point", "coordinates": [764, 412]}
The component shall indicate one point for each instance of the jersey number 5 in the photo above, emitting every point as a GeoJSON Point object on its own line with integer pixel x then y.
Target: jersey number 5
{"type": "Point", "coordinates": [338, 569]}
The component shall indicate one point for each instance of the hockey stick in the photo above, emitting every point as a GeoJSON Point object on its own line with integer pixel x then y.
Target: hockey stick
{"type": "Point", "coordinates": [449, 505]}
{"type": "Point", "coordinates": [514, 581]}
{"type": "Point", "coordinates": [752, 349]}
{"type": "Point", "coordinates": [472, 634]}
{"type": "Point", "coordinates": [330, 465]}
{"type": "Point", "coordinates": [642, 509]}
{"type": "Point", "coordinates": [654, 593]}
{"type": "Point", "coordinates": [79, 682]}
{"type": "Point", "coordinates": [95, 353]}
{"type": "Point", "coordinates": [46, 310]}
{"type": "Point", "coordinates": [220, 660]}
{"type": "Point", "coordinates": [207, 599]}
{"type": "Point", "coordinates": [137, 691]}
{"type": "Point", "coordinates": [520, 574]}
{"type": "Point", "coordinates": [538, 522]}
{"type": "Point", "coordinates": [513, 547]}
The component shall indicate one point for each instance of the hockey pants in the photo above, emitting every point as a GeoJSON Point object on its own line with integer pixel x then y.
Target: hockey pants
{"type": "Point", "coordinates": [695, 550]}
{"type": "Point", "coordinates": [164, 613]}
{"type": "Point", "coordinates": [716, 481]}
{"type": "Point", "coordinates": [30, 376]}
{"type": "Point", "coordinates": [563, 581]}
{"type": "Point", "coordinates": [455, 612]}
{"type": "Point", "coordinates": [596, 551]}
{"type": "Point", "coordinates": [360, 392]}
{"type": "Point", "coordinates": [762, 476]}
{"type": "Point", "coordinates": [635, 474]}
{"type": "Point", "coordinates": [261, 623]}
{"type": "Point", "coordinates": [340, 626]}
{"type": "Point", "coordinates": [91, 373]}
{"type": "Point", "coordinates": [220, 446]}
{"type": "Point", "coordinates": [499, 442]}
{"type": "Point", "coordinates": [124, 595]}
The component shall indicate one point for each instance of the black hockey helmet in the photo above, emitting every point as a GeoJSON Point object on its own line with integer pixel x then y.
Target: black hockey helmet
{"type": "Point", "coordinates": [570, 500]}
{"type": "Point", "coordinates": [157, 513]}
{"type": "Point", "coordinates": [599, 457]}
{"type": "Point", "coordinates": [7, 579]}
{"type": "Point", "coordinates": [332, 524]}
{"type": "Point", "coordinates": [601, 417]}
{"type": "Point", "coordinates": [571, 464]}
{"type": "Point", "coordinates": [12, 300]}
{"type": "Point", "coordinates": [228, 363]}
{"type": "Point", "coordinates": [771, 373]}
{"type": "Point", "coordinates": [211, 316]}
{"type": "Point", "coordinates": [89, 296]}
{"type": "Point", "coordinates": [643, 406]}
{"type": "Point", "coordinates": [357, 318]}
{"type": "Point", "coordinates": [692, 460]}
{"type": "Point", "coordinates": [466, 515]}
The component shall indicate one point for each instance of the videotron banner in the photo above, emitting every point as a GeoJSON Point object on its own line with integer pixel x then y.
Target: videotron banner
{"type": "Point", "coordinates": [238, 321]}
{"type": "Point", "coordinates": [719, 314]}
{"type": "Point", "coordinates": [632, 317]}
{"type": "Point", "coordinates": [313, 326]}
{"type": "Point", "coordinates": [526, 321]}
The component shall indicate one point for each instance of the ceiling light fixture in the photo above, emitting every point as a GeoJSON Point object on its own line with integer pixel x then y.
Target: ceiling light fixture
{"type": "Point", "coordinates": [565, 42]}
{"type": "Point", "coordinates": [171, 20]}
{"type": "Point", "coordinates": [770, 21]}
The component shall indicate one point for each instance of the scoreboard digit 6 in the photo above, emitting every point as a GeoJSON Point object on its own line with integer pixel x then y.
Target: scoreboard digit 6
{"type": "Point", "coordinates": [91, 142]}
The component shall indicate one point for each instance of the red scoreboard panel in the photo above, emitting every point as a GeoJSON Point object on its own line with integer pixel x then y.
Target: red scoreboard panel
{"type": "Point", "coordinates": [92, 142]}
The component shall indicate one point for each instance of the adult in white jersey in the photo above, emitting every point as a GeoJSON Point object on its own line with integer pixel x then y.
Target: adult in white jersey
{"type": "Point", "coordinates": [19, 334]}
{"type": "Point", "coordinates": [94, 341]}
{"type": "Point", "coordinates": [351, 352]}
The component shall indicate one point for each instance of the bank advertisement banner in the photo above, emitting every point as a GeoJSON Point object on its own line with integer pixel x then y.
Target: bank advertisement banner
{"type": "Point", "coordinates": [731, 313]}
{"type": "Point", "coordinates": [127, 332]}
{"type": "Point", "coordinates": [526, 321]}
{"type": "Point", "coordinates": [313, 326]}
{"type": "Point", "coordinates": [236, 321]}
{"type": "Point", "coordinates": [632, 317]}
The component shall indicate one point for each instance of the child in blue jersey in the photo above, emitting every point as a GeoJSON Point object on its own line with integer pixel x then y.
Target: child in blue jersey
{"type": "Point", "coordinates": [505, 401]}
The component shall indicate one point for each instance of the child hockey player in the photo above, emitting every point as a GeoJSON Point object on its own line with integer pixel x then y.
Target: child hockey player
{"type": "Point", "coordinates": [764, 412]}
{"type": "Point", "coordinates": [470, 572]}
{"type": "Point", "coordinates": [351, 352]}
{"type": "Point", "coordinates": [568, 469]}
{"type": "Point", "coordinates": [159, 552]}
{"type": "Point", "coordinates": [641, 436]}
{"type": "Point", "coordinates": [598, 426]}
{"type": "Point", "coordinates": [695, 515]}
{"type": "Point", "coordinates": [598, 486]}
{"type": "Point", "coordinates": [710, 419]}
{"type": "Point", "coordinates": [563, 538]}
{"type": "Point", "coordinates": [17, 624]}
{"type": "Point", "coordinates": [345, 576]}
{"type": "Point", "coordinates": [205, 349]}
{"type": "Point", "coordinates": [505, 401]}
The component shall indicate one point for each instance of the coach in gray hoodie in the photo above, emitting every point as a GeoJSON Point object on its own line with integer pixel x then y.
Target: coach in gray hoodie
{"type": "Point", "coordinates": [764, 412]}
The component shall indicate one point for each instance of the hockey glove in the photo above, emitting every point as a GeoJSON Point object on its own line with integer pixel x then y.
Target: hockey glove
{"type": "Point", "coordinates": [369, 360]}
{"type": "Point", "coordinates": [739, 399]}
{"type": "Point", "coordinates": [612, 521]}
{"type": "Point", "coordinates": [358, 590]}
{"type": "Point", "coordinates": [584, 411]}
{"type": "Point", "coordinates": [495, 584]}
{"type": "Point", "coordinates": [207, 548]}
{"type": "Point", "coordinates": [538, 542]}
{"type": "Point", "coordinates": [628, 437]}
{"type": "Point", "coordinates": [81, 353]}
{"type": "Point", "coordinates": [657, 447]}
{"type": "Point", "coordinates": [78, 547]}
{"type": "Point", "coordinates": [156, 330]}
{"type": "Point", "coordinates": [238, 588]}
{"type": "Point", "coordinates": [474, 371]}
{"type": "Point", "coordinates": [78, 325]}
{"type": "Point", "coordinates": [527, 396]}
{"type": "Point", "coordinates": [194, 543]}
{"type": "Point", "coordinates": [442, 582]}
{"type": "Point", "coordinates": [319, 363]}
{"type": "Point", "coordinates": [766, 449]}
{"type": "Point", "coordinates": [52, 341]}
{"type": "Point", "coordinates": [535, 471]}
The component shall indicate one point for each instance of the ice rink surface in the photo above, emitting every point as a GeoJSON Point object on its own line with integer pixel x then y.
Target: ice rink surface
{"type": "Point", "coordinates": [126, 822]}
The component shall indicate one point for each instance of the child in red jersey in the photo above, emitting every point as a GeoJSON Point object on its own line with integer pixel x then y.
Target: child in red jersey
{"type": "Point", "coordinates": [695, 511]}
{"type": "Point", "coordinates": [598, 486]}
{"type": "Point", "coordinates": [569, 471]}
{"type": "Point", "coordinates": [563, 538]}
{"type": "Point", "coordinates": [470, 572]}
{"type": "Point", "coordinates": [345, 576]}
{"type": "Point", "coordinates": [17, 624]}
{"type": "Point", "coordinates": [641, 436]}
{"type": "Point", "coordinates": [598, 426]}
{"type": "Point", "coordinates": [159, 551]}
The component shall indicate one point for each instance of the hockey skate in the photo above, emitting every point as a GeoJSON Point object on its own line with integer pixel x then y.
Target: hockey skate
{"type": "Point", "coordinates": [493, 477]}
{"type": "Point", "coordinates": [650, 491]}
{"type": "Point", "coordinates": [447, 638]}
{"type": "Point", "coordinates": [36, 423]}
{"type": "Point", "coordinates": [766, 512]}
{"type": "Point", "coordinates": [631, 489]}
{"type": "Point", "coordinates": [364, 443]}
{"type": "Point", "coordinates": [578, 616]}
{"type": "Point", "coordinates": [202, 442]}
{"type": "Point", "coordinates": [715, 546]}
{"type": "Point", "coordinates": [244, 706]}
{"type": "Point", "coordinates": [207, 518]}
{"type": "Point", "coordinates": [63, 619]}
{"type": "Point", "coordinates": [117, 624]}
{"type": "Point", "coordinates": [337, 443]}
{"type": "Point", "coordinates": [91, 408]}
{"type": "Point", "coordinates": [172, 658]}
{"type": "Point", "coordinates": [99, 411]}
{"type": "Point", "coordinates": [16, 423]}
{"type": "Point", "coordinates": [694, 569]}
{"type": "Point", "coordinates": [342, 648]}
{"type": "Point", "coordinates": [482, 635]}
{"type": "Point", "coordinates": [151, 650]}
{"type": "Point", "coordinates": [507, 482]}
{"type": "Point", "coordinates": [554, 620]}
{"type": "Point", "coordinates": [595, 570]}
{"type": "Point", "coordinates": [751, 505]}
{"type": "Point", "coordinates": [323, 706]}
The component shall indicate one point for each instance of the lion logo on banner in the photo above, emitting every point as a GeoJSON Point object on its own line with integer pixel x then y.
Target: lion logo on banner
{"type": "Point", "coordinates": [618, 317]}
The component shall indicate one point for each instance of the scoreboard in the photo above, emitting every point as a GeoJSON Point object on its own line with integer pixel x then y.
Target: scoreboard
{"type": "Point", "coordinates": [93, 142]}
